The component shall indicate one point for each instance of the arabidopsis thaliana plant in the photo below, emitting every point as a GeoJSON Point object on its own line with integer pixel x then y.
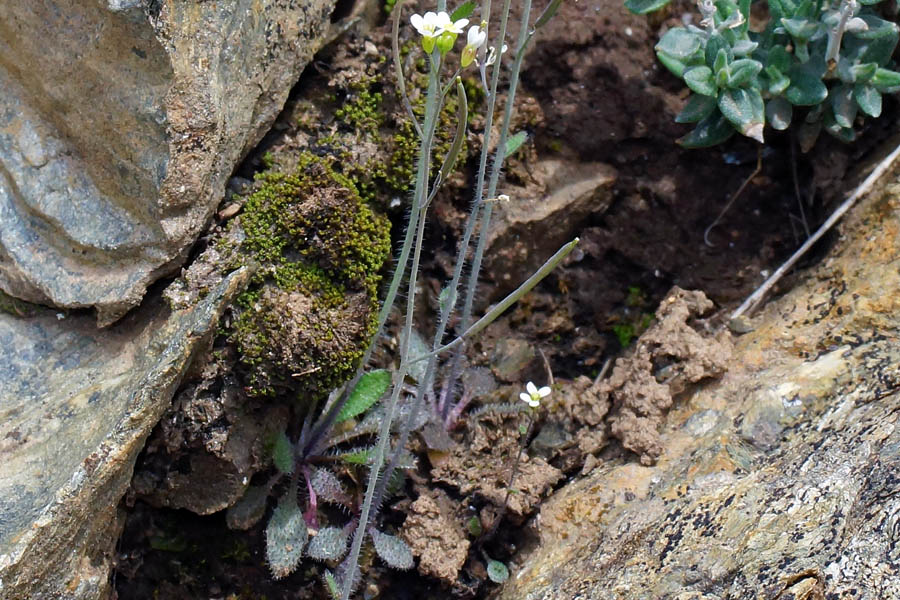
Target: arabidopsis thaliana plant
{"type": "Point", "coordinates": [428, 27]}
{"type": "Point", "coordinates": [532, 395]}
{"type": "Point", "coordinates": [449, 30]}
{"type": "Point", "coordinates": [474, 40]}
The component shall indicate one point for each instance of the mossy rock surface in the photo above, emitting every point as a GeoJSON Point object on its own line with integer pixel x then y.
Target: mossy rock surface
{"type": "Point", "coordinates": [310, 311]}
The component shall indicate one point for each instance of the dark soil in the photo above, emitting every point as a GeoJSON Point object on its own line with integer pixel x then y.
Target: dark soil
{"type": "Point", "coordinates": [602, 98]}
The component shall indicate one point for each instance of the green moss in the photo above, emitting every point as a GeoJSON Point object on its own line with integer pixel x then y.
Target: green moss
{"type": "Point", "coordinates": [320, 248]}
{"type": "Point", "coordinates": [363, 110]}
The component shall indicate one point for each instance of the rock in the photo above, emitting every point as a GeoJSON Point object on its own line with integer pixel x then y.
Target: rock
{"type": "Point", "coordinates": [776, 481]}
{"type": "Point", "coordinates": [543, 215]}
{"type": "Point", "coordinates": [76, 406]}
{"type": "Point", "coordinates": [120, 123]}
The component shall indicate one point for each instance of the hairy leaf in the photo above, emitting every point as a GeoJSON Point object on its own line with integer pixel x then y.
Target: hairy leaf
{"type": "Point", "coordinates": [679, 43]}
{"type": "Point", "coordinates": [868, 99]}
{"type": "Point", "coordinates": [392, 550]}
{"type": "Point", "coordinates": [286, 536]}
{"type": "Point", "coordinates": [497, 571]}
{"type": "Point", "coordinates": [778, 113]}
{"type": "Point", "coordinates": [367, 392]}
{"type": "Point", "coordinates": [514, 142]}
{"type": "Point", "coordinates": [283, 453]}
{"type": "Point", "coordinates": [697, 108]}
{"type": "Point", "coordinates": [745, 110]}
{"type": "Point", "coordinates": [712, 130]}
{"type": "Point", "coordinates": [249, 509]}
{"type": "Point", "coordinates": [329, 544]}
{"type": "Point", "coordinates": [700, 80]}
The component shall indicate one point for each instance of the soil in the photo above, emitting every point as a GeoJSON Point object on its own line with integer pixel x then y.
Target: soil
{"type": "Point", "coordinates": [593, 94]}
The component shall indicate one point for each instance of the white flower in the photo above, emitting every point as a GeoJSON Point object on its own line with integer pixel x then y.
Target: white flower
{"type": "Point", "coordinates": [492, 55]}
{"type": "Point", "coordinates": [447, 26]}
{"type": "Point", "coordinates": [428, 27]}
{"type": "Point", "coordinates": [474, 40]}
{"type": "Point", "coordinates": [532, 395]}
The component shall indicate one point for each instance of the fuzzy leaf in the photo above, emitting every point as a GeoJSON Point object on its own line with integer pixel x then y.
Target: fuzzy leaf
{"type": "Point", "coordinates": [697, 108]}
{"type": "Point", "coordinates": [779, 58]}
{"type": "Point", "coordinates": [744, 47]}
{"type": "Point", "coordinates": [497, 571]}
{"type": "Point", "coordinates": [675, 66]}
{"type": "Point", "coordinates": [778, 113]}
{"type": "Point", "coordinates": [879, 41]}
{"type": "Point", "coordinates": [359, 456]}
{"type": "Point", "coordinates": [328, 487]}
{"type": "Point", "coordinates": [514, 142]}
{"type": "Point", "coordinates": [712, 130]}
{"type": "Point", "coordinates": [868, 99]}
{"type": "Point", "coordinates": [418, 347]}
{"type": "Point", "coordinates": [331, 585]}
{"type": "Point", "coordinates": [800, 29]}
{"type": "Point", "coordinates": [329, 544]}
{"type": "Point", "coordinates": [843, 105]}
{"type": "Point", "coordinates": [845, 134]}
{"type": "Point", "coordinates": [806, 89]}
{"type": "Point", "coordinates": [886, 81]}
{"type": "Point", "coordinates": [642, 7]}
{"type": "Point", "coordinates": [367, 392]}
{"type": "Point", "coordinates": [679, 43]}
{"type": "Point", "coordinates": [742, 71]}
{"type": "Point", "coordinates": [247, 511]}
{"type": "Point", "coordinates": [392, 550]}
{"type": "Point", "coordinates": [283, 453]}
{"type": "Point", "coordinates": [745, 110]}
{"type": "Point", "coordinates": [463, 11]}
{"type": "Point", "coordinates": [700, 80]}
{"type": "Point", "coordinates": [286, 536]}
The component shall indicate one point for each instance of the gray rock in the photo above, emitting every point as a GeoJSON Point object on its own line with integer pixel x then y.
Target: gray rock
{"type": "Point", "coordinates": [777, 481]}
{"type": "Point", "coordinates": [120, 123]}
{"type": "Point", "coordinates": [76, 406]}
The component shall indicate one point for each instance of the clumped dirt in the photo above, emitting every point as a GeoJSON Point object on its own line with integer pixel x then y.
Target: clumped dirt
{"type": "Point", "coordinates": [672, 354]}
{"type": "Point", "coordinates": [599, 111]}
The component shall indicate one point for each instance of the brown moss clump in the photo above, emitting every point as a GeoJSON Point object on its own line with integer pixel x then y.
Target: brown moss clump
{"type": "Point", "coordinates": [308, 315]}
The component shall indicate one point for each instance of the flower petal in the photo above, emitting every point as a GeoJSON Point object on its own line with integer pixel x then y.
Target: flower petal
{"type": "Point", "coordinates": [531, 388]}
{"type": "Point", "coordinates": [525, 397]}
{"type": "Point", "coordinates": [418, 22]}
{"type": "Point", "coordinates": [544, 392]}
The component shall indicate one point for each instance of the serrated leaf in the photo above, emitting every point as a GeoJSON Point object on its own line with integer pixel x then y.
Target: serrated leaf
{"type": "Point", "coordinates": [745, 110]}
{"type": "Point", "coordinates": [497, 571]}
{"type": "Point", "coordinates": [514, 142]}
{"type": "Point", "coordinates": [361, 456]}
{"type": "Point", "coordinates": [283, 453]}
{"type": "Point", "coordinates": [392, 550]}
{"type": "Point", "coordinates": [679, 43]}
{"type": "Point", "coordinates": [642, 7]}
{"type": "Point", "coordinates": [712, 130]}
{"type": "Point", "coordinates": [368, 391]}
{"type": "Point", "coordinates": [548, 14]}
{"type": "Point", "coordinates": [328, 487]}
{"type": "Point", "coordinates": [247, 511]}
{"type": "Point", "coordinates": [868, 99]}
{"type": "Point", "coordinates": [778, 113]}
{"type": "Point", "coordinates": [463, 11]}
{"type": "Point", "coordinates": [331, 585]}
{"type": "Point", "coordinates": [330, 543]}
{"type": "Point", "coordinates": [697, 108]}
{"type": "Point", "coordinates": [843, 105]}
{"type": "Point", "coordinates": [286, 536]}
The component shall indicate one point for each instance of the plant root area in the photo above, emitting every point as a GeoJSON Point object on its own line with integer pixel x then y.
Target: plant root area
{"type": "Point", "coordinates": [647, 292]}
